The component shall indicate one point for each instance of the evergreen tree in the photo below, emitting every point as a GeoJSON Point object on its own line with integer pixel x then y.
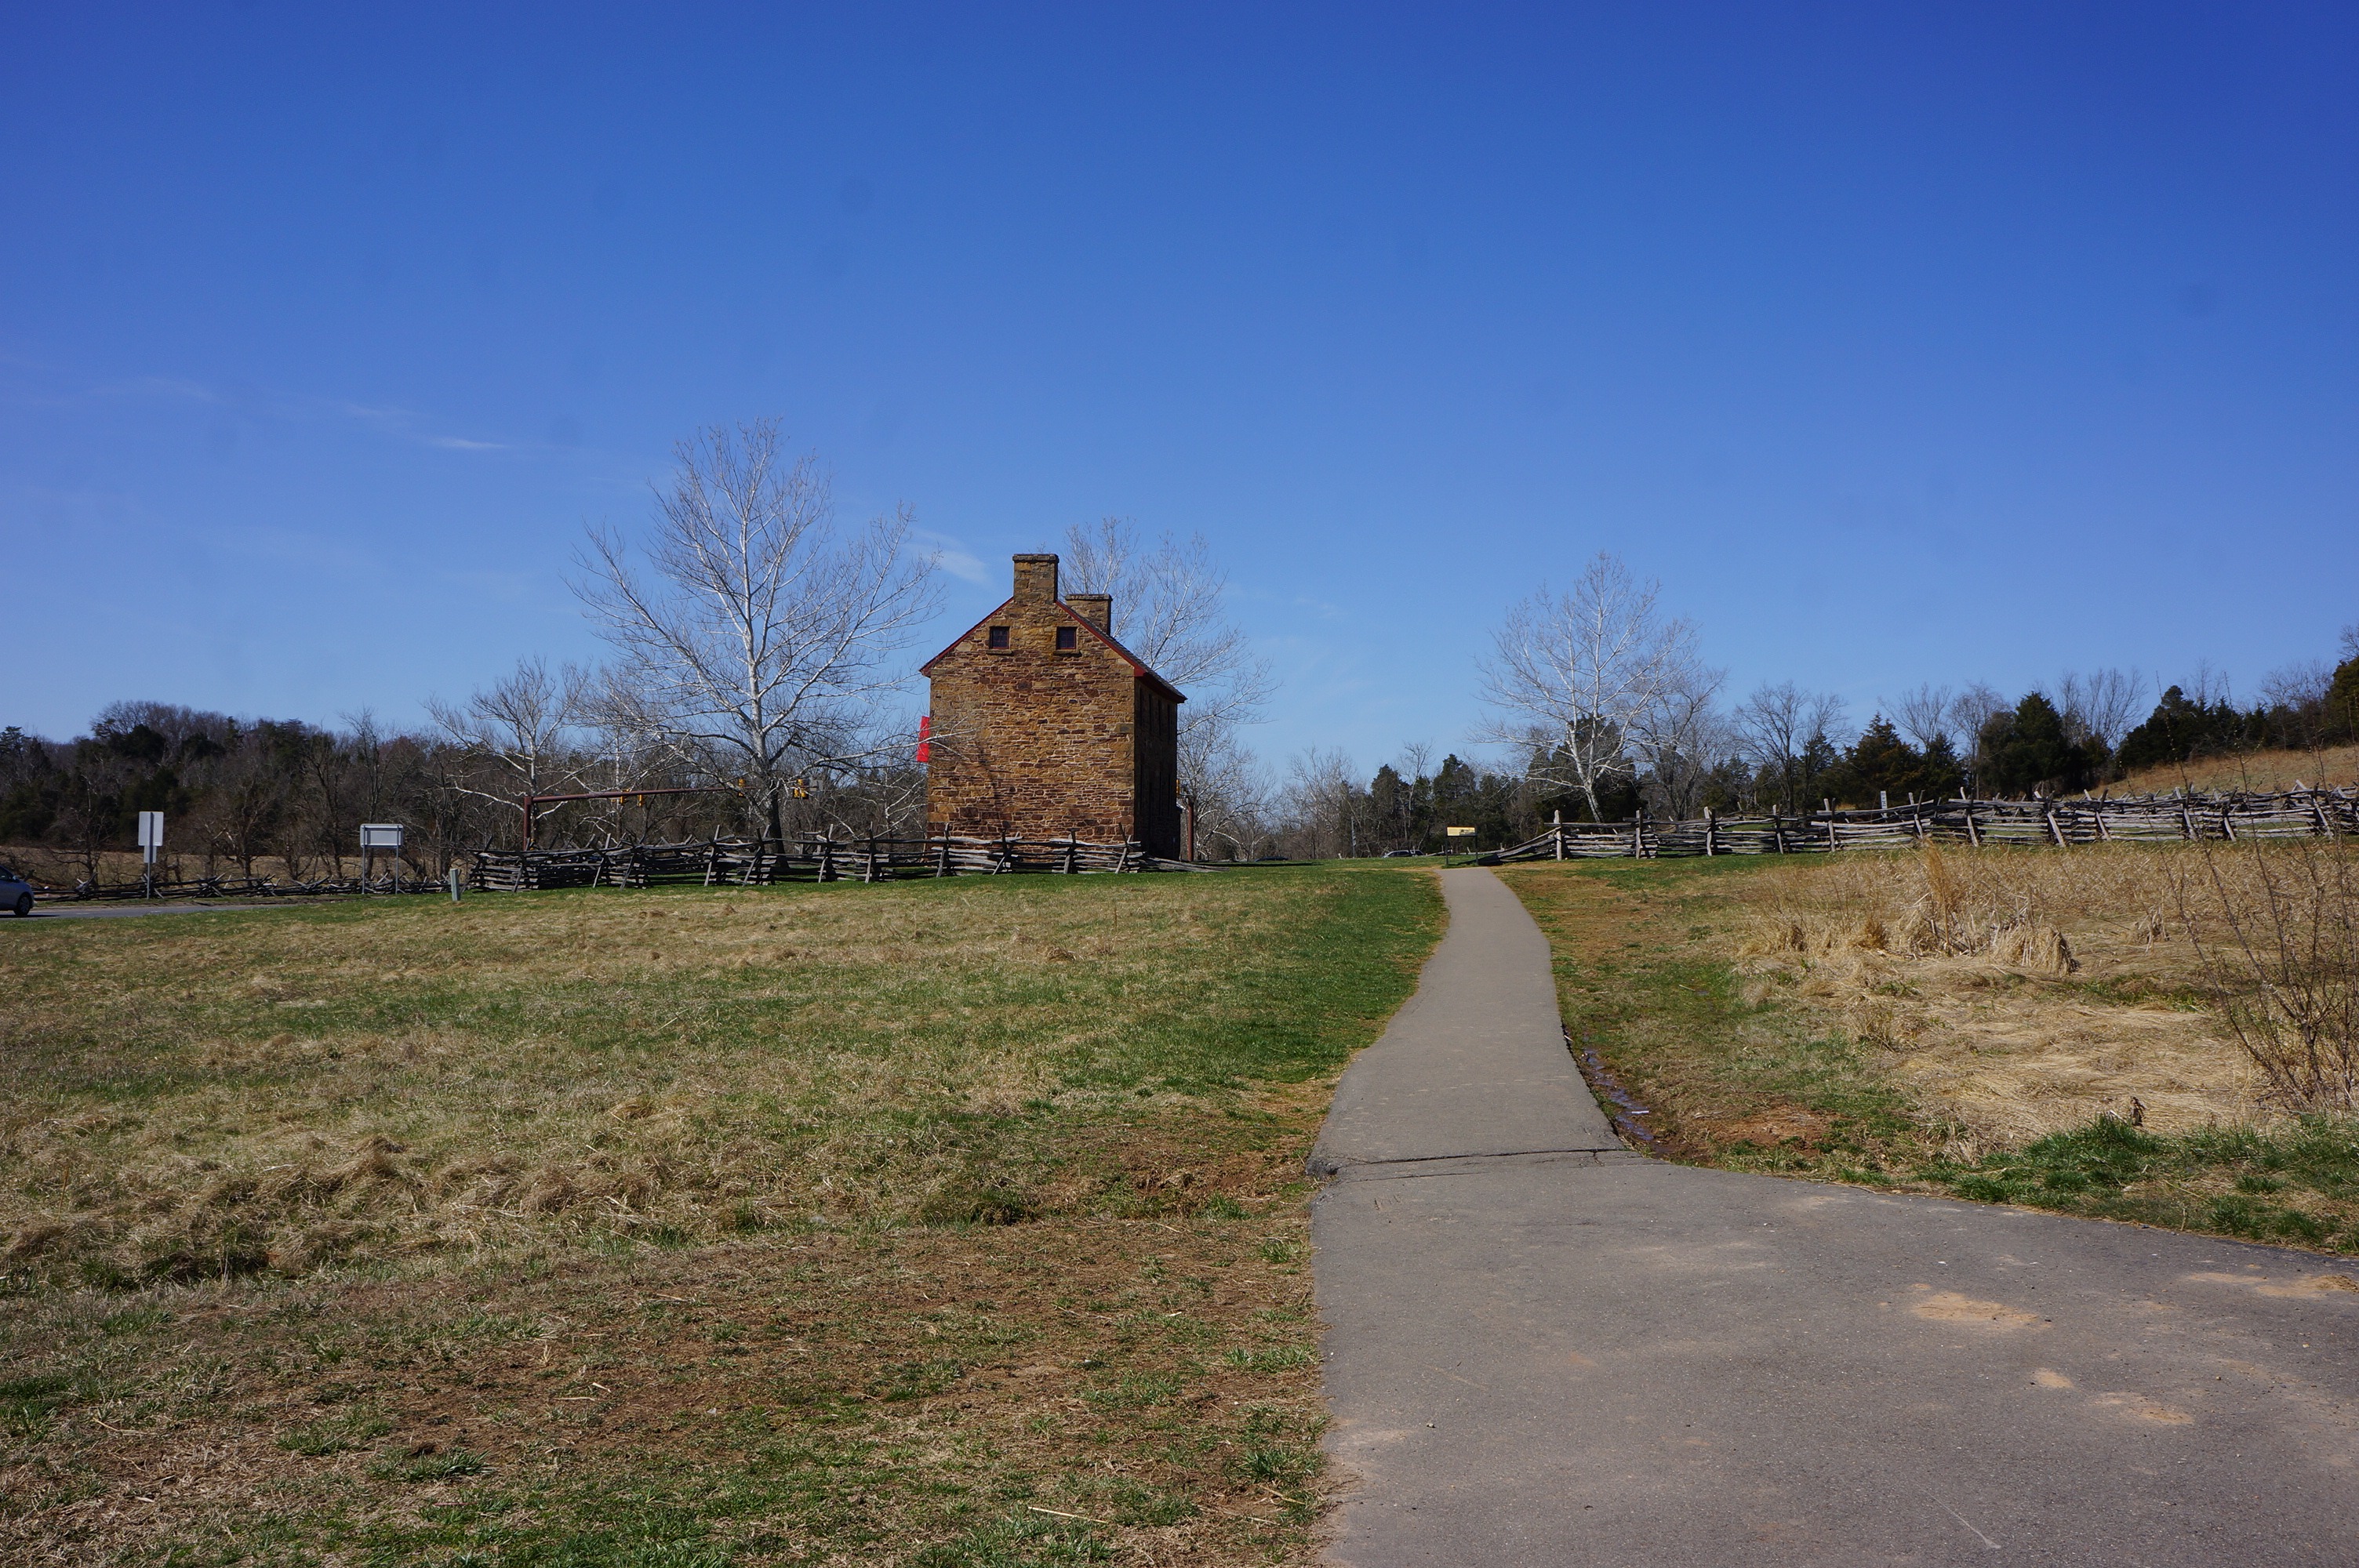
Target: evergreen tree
{"type": "Point", "coordinates": [2027, 751]}
{"type": "Point", "coordinates": [2180, 729]}
{"type": "Point", "coordinates": [2343, 703]}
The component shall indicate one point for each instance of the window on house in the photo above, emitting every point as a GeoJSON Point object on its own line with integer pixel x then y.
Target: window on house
{"type": "Point", "coordinates": [998, 637]}
{"type": "Point", "coordinates": [1068, 639]}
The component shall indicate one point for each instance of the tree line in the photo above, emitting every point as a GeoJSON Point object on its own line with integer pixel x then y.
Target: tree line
{"type": "Point", "coordinates": [756, 684]}
{"type": "Point", "coordinates": [1609, 711]}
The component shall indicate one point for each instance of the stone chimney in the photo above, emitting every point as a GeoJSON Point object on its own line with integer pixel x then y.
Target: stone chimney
{"type": "Point", "coordinates": [1097, 609]}
{"type": "Point", "coordinates": [1036, 580]}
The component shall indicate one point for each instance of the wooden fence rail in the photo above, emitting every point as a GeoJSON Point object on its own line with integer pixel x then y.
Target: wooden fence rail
{"type": "Point", "coordinates": [2052, 823]}
{"type": "Point", "coordinates": [245, 887]}
{"type": "Point", "coordinates": [749, 862]}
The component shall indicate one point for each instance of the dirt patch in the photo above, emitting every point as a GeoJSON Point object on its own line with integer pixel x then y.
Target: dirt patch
{"type": "Point", "coordinates": [2140, 1408]}
{"type": "Point", "coordinates": [1770, 1129]}
{"type": "Point", "coordinates": [1949, 1306]}
{"type": "Point", "coordinates": [2308, 1287]}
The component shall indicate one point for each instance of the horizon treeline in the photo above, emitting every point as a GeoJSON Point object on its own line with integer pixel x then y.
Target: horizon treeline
{"type": "Point", "coordinates": [238, 793]}
{"type": "Point", "coordinates": [1791, 751]}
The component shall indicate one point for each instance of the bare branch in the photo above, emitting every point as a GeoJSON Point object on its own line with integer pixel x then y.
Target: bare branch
{"type": "Point", "coordinates": [1169, 610]}
{"type": "Point", "coordinates": [758, 644]}
{"type": "Point", "coordinates": [1586, 677]}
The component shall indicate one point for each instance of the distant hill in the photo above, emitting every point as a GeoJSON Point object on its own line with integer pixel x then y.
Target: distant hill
{"type": "Point", "coordinates": [2256, 771]}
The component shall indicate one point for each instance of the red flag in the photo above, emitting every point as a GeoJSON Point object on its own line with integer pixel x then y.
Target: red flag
{"type": "Point", "coordinates": [925, 728]}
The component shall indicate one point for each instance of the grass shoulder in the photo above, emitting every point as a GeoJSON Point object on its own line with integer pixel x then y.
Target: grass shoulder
{"type": "Point", "coordinates": [2001, 1077]}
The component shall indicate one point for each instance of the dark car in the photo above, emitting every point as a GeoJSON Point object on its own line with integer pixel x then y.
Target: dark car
{"type": "Point", "coordinates": [1400, 854]}
{"type": "Point", "coordinates": [15, 893]}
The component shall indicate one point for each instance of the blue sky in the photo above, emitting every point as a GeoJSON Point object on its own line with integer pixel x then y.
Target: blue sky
{"type": "Point", "coordinates": [1901, 342]}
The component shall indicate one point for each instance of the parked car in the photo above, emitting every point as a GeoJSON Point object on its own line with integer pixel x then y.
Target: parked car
{"type": "Point", "coordinates": [1399, 854]}
{"type": "Point", "coordinates": [15, 893]}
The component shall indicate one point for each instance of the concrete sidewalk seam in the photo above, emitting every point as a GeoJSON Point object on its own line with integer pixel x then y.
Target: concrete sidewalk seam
{"type": "Point", "coordinates": [1425, 1165]}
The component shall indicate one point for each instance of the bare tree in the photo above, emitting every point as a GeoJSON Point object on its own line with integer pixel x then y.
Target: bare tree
{"type": "Point", "coordinates": [525, 724]}
{"type": "Point", "coordinates": [1167, 610]}
{"type": "Point", "coordinates": [1232, 800]}
{"type": "Point", "coordinates": [761, 644]}
{"type": "Point", "coordinates": [1971, 710]}
{"type": "Point", "coordinates": [2297, 685]}
{"type": "Point", "coordinates": [1682, 737]}
{"type": "Point", "coordinates": [1322, 797]}
{"type": "Point", "coordinates": [2102, 704]}
{"type": "Point", "coordinates": [2208, 684]}
{"type": "Point", "coordinates": [1579, 677]}
{"type": "Point", "coordinates": [248, 802]}
{"type": "Point", "coordinates": [1926, 715]}
{"type": "Point", "coordinates": [1775, 725]}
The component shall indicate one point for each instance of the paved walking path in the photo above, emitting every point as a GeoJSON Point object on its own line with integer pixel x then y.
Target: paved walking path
{"type": "Point", "coordinates": [1543, 1349]}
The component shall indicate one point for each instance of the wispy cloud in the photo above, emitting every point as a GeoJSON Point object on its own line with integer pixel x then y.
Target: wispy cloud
{"type": "Point", "coordinates": [407, 424]}
{"type": "Point", "coordinates": [395, 423]}
{"type": "Point", "coordinates": [166, 387]}
{"type": "Point", "coordinates": [954, 558]}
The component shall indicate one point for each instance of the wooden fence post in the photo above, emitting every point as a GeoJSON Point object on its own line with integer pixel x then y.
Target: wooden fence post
{"type": "Point", "coordinates": [1557, 830]}
{"type": "Point", "coordinates": [1709, 849]}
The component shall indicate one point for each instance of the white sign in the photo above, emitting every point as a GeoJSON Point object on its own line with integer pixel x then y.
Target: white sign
{"type": "Point", "coordinates": [1459, 832]}
{"type": "Point", "coordinates": [380, 834]}
{"type": "Point", "coordinates": [151, 835]}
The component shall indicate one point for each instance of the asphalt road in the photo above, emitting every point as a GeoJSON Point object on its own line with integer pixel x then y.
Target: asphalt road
{"type": "Point", "coordinates": [127, 911]}
{"type": "Point", "coordinates": [1544, 1349]}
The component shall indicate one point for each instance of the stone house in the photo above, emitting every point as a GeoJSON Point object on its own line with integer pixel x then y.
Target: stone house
{"type": "Point", "coordinates": [1043, 726]}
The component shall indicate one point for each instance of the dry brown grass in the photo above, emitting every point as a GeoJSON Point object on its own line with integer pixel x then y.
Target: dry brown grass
{"type": "Point", "coordinates": [941, 1222]}
{"type": "Point", "coordinates": [2021, 993]}
{"type": "Point", "coordinates": [2260, 771]}
{"type": "Point", "coordinates": [206, 1095]}
{"type": "Point", "coordinates": [813, 1398]}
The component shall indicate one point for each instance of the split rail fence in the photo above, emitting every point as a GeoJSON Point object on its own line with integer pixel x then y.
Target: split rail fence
{"type": "Point", "coordinates": [747, 862]}
{"type": "Point", "coordinates": [2054, 824]}
{"type": "Point", "coordinates": [246, 887]}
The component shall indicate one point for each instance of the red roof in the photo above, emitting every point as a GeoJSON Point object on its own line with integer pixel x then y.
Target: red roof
{"type": "Point", "coordinates": [1133, 660]}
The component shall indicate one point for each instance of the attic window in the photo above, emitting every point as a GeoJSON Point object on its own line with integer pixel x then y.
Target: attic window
{"type": "Point", "coordinates": [998, 637]}
{"type": "Point", "coordinates": [1068, 639]}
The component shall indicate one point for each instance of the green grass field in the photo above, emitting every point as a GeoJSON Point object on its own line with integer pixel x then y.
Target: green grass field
{"type": "Point", "coordinates": [950, 1222]}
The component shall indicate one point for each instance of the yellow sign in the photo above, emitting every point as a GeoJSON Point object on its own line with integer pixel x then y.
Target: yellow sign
{"type": "Point", "coordinates": [1459, 832]}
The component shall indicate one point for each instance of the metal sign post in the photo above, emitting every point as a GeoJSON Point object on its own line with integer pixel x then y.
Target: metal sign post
{"type": "Point", "coordinates": [151, 843]}
{"type": "Point", "coordinates": [1453, 833]}
{"type": "Point", "coordinates": [375, 835]}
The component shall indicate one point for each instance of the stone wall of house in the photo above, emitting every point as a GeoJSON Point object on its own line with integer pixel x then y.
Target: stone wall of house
{"type": "Point", "coordinates": [1039, 742]}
